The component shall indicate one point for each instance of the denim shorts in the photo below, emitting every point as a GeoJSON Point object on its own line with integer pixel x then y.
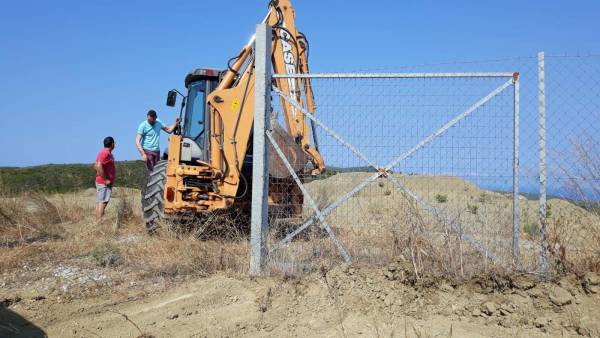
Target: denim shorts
{"type": "Point", "coordinates": [103, 193]}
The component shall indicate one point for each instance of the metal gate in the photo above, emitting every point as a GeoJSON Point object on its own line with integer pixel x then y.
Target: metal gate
{"type": "Point", "coordinates": [418, 164]}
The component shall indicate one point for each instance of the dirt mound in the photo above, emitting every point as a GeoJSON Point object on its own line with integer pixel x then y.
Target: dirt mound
{"type": "Point", "coordinates": [346, 301]}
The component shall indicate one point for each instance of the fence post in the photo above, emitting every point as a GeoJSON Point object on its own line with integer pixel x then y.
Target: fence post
{"type": "Point", "coordinates": [542, 144]}
{"type": "Point", "coordinates": [260, 167]}
{"type": "Point", "coordinates": [516, 230]}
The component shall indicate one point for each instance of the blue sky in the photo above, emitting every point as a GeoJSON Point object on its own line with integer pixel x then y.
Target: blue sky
{"type": "Point", "coordinates": [73, 72]}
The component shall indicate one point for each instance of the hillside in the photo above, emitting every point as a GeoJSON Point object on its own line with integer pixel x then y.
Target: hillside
{"type": "Point", "coordinates": [65, 177]}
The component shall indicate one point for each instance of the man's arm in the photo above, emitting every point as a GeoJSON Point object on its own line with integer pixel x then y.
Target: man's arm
{"type": "Point", "coordinates": [172, 127]}
{"type": "Point", "coordinates": [100, 172]}
{"type": "Point", "coordinates": [138, 145]}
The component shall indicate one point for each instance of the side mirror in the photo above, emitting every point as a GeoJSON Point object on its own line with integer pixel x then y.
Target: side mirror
{"type": "Point", "coordinates": [171, 98]}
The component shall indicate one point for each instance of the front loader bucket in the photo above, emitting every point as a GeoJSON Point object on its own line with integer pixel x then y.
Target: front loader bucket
{"type": "Point", "coordinates": [293, 153]}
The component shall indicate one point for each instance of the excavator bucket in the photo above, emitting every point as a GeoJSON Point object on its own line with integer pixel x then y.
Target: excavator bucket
{"type": "Point", "coordinates": [292, 151]}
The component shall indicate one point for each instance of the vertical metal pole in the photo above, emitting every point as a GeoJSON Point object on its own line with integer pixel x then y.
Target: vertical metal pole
{"type": "Point", "coordinates": [542, 143]}
{"type": "Point", "coordinates": [260, 168]}
{"type": "Point", "coordinates": [516, 230]}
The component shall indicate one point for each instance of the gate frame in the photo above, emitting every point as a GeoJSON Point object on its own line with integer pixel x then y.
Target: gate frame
{"type": "Point", "coordinates": [260, 168]}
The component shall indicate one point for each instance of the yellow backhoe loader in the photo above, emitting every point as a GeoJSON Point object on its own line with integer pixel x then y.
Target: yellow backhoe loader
{"type": "Point", "coordinates": [208, 164]}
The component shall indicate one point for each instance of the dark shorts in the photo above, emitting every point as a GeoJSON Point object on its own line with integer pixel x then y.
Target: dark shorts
{"type": "Point", "coordinates": [152, 157]}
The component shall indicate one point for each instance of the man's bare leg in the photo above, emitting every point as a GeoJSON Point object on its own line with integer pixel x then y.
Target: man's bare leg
{"type": "Point", "coordinates": [100, 210]}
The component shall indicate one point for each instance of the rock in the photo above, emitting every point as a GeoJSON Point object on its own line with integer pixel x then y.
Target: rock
{"type": "Point", "coordinates": [523, 282]}
{"type": "Point", "coordinates": [506, 322]}
{"type": "Point", "coordinates": [593, 289]}
{"type": "Point", "coordinates": [583, 331]}
{"type": "Point", "coordinates": [536, 292]}
{"type": "Point", "coordinates": [591, 283]}
{"type": "Point", "coordinates": [389, 300]}
{"type": "Point", "coordinates": [591, 278]}
{"type": "Point", "coordinates": [345, 268]}
{"type": "Point", "coordinates": [540, 322]}
{"type": "Point", "coordinates": [173, 316]}
{"type": "Point", "coordinates": [589, 326]}
{"type": "Point", "coordinates": [445, 287]}
{"type": "Point", "coordinates": [508, 308]}
{"type": "Point", "coordinates": [560, 296]}
{"type": "Point", "coordinates": [489, 308]}
{"type": "Point", "coordinates": [476, 313]}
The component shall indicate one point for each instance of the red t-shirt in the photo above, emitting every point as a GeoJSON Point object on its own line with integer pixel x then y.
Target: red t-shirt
{"type": "Point", "coordinates": [107, 160]}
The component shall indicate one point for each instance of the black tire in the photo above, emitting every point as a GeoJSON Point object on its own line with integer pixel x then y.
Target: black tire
{"type": "Point", "coordinates": [153, 197]}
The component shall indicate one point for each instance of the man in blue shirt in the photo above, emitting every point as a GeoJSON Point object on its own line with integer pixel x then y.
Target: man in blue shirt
{"type": "Point", "coordinates": [147, 139]}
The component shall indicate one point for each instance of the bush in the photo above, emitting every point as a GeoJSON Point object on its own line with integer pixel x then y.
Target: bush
{"type": "Point", "coordinates": [472, 209]}
{"type": "Point", "coordinates": [60, 178]}
{"type": "Point", "coordinates": [484, 198]}
{"type": "Point", "coordinates": [441, 198]}
{"type": "Point", "coordinates": [106, 255]}
{"type": "Point", "coordinates": [531, 229]}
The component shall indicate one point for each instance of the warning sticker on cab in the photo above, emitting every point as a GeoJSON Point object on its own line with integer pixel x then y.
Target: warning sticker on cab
{"type": "Point", "coordinates": [235, 104]}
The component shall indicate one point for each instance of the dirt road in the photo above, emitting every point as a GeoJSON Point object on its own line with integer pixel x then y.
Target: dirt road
{"type": "Point", "coordinates": [344, 302]}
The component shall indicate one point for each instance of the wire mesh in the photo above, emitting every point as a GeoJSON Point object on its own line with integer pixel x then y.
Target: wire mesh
{"type": "Point", "coordinates": [572, 90]}
{"type": "Point", "coordinates": [462, 178]}
{"type": "Point", "coordinates": [441, 183]}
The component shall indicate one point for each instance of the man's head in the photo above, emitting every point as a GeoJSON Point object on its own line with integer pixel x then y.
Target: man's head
{"type": "Point", "coordinates": [109, 142]}
{"type": "Point", "coordinates": [151, 117]}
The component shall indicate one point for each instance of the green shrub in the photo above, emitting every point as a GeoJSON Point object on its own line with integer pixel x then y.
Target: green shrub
{"type": "Point", "coordinates": [106, 255]}
{"type": "Point", "coordinates": [472, 209]}
{"type": "Point", "coordinates": [60, 178]}
{"type": "Point", "coordinates": [531, 228]}
{"type": "Point", "coordinates": [387, 192]}
{"type": "Point", "coordinates": [441, 198]}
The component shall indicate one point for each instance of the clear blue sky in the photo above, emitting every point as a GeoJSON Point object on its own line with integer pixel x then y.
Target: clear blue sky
{"type": "Point", "coordinates": [72, 72]}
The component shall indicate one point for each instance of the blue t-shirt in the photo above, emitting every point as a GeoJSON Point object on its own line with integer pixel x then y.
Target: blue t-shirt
{"type": "Point", "coordinates": [150, 135]}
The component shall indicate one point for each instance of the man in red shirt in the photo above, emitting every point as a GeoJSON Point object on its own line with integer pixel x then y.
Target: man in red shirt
{"type": "Point", "coordinates": [105, 176]}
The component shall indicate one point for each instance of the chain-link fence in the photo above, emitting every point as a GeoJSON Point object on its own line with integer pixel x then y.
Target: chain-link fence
{"type": "Point", "coordinates": [456, 168]}
{"type": "Point", "coordinates": [406, 155]}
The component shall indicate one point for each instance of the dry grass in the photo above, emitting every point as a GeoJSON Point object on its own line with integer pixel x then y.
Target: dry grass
{"type": "Point", "coordinates": [376, 227]}
{"type": "Point", "coordinates": [38, 229]}
{"type": "Point", "coordinates": [379, 227]}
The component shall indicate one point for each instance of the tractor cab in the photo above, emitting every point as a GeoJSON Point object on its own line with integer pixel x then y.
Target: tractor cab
{"type": "Point", "coordinates": [194, 113]}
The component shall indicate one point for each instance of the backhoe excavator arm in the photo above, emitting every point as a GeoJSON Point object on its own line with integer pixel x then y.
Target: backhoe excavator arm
{"type": "Point", "coordinates": [232, 102]}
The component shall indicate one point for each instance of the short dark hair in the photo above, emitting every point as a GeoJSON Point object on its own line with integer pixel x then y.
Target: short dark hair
{"type": "Point", "coordinates": [108, 142]}
{"type": "Point", "coordinates": [152, 113]}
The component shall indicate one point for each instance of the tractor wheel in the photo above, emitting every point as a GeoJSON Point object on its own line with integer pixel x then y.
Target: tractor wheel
{"type": "Point", "coordinates": [153, 197]}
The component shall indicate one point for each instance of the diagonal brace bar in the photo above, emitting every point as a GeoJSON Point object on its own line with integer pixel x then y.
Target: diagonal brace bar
{"type": "Point", "coordinates": [325, 212]}
{"type": "Point", "coordinates": [326, 128]}
{"type": "Point", "coordinates": [311, 202]}
{"type": "Point", "coordinates": [452, 225]}
{"type": "Point", "coordinates": [449, 125]}
{"type": "Point", "coordinates": [448, 223]}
